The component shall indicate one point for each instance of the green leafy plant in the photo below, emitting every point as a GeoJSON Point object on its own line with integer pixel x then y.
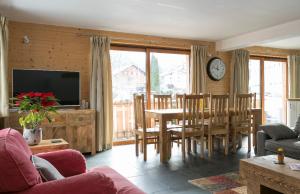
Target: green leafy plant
{"type": "Point", "coordinates": [35, 106]}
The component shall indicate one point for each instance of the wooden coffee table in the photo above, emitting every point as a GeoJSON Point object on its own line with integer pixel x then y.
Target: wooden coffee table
{"type": "Point", "coordinates": [47, 145]}
{"type": "Point", "coordinates": [262, 175]}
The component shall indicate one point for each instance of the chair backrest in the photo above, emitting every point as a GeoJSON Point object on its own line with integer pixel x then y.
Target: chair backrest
{"type": "Point", "coordinates": [179, 100]}
{"type": "Point", "coordinates": [219, 111]}
{"type": "Point", "coordinates": [139, 112]}
{"type": "Point", "coordinates": [193, 111]}
{"type": "Point", "coordinates": [161, 101]}
{"type": "Point", "coordinates": [17, 173]}
{"type": "Point", "coordinates": [242, 108]}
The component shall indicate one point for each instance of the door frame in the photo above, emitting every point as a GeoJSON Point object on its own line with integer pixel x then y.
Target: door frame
{"type": "Point", "coordinates": [262, 60]}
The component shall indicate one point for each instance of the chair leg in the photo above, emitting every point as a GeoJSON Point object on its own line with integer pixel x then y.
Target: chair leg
{"type": "Point", "coordinates": [141, 146]}
{"type": "Point", "coordinates": [240, 140]}
{"type": "Point", "coordinates": [226, 144]}
{"type": "Point", "coordinates": [202, 146]}
{"type": "Point", "coordinates": [183, 149]}
{"type": "Point", "coordinates": [194, 142]}
{"type": "Point", "coordinates": [169, 145]}
{"type": "Point", "coordinates": [249, 140]}
{"type": "Point", "coordinates": [210, 145]}
{"type": "Point", "coordinates": [145, 148]}
{"type": "Point", "coordinates": [234, 141]}
{"type": "Point", "coordinates": [189, 145]}
{"type": "Point", "coordinates": [157, 145]}
{"type": "Point", "coordinates": [220, 141]}
{"type": "Point", "coordinates": [137, 145]}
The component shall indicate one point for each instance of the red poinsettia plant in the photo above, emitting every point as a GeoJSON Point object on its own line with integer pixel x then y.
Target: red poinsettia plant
{"type": "Point", "coordinates": [35, 106]}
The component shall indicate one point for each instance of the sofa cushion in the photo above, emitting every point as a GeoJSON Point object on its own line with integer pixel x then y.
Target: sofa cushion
{"type": "Point", "coordinates": [297, 126]}
{"type": "Point", "coordinates": [291, 147]}
{"type": "Point", "coordinates": [47, 171]}
{"type": "Point", "coordinates": [279, 131]}
{"type": "Point", "coordinates": [121, 183]}
{"type": "Point", "coordinates": [17, 172]}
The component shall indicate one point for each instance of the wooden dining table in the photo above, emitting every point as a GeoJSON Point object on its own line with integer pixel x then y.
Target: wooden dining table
{"type": "Point", "coordinates": [166, 115]}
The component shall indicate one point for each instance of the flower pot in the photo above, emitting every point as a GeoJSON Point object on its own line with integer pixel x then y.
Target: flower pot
{"type": "Point", "coordinates": [32, 136]}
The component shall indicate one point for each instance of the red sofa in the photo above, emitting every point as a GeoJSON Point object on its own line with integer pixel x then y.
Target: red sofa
{"type": "Point", "coordinates": [19, 176]}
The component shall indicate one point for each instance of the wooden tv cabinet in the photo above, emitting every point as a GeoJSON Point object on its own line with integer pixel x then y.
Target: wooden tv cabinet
{"type": "Point", "coordinates": [77, 127]}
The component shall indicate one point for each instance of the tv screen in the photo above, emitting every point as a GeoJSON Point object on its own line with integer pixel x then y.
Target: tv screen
{"type": "Point", "coordinates": [65, 85]}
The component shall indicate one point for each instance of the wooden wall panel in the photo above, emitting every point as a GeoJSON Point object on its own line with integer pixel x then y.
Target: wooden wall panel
{"type": "Point", "coordinates": [222, 86]}
{"type": "Point", "coordinates": [50, 48]}
{"type": "Point", "coordinates": [66, 48]}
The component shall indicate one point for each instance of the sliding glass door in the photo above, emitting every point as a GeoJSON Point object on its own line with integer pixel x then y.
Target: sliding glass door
{"type": "Point", "coordinates": [274, 91]}
{"type": "Point", "coordinates": [144, 71]}
{"type": "Point", "coordinates": [255, 80]}
{"type": "Point", "coordinates": [128, 77]}
{"type": "Point", "coordinates": [267, 78]}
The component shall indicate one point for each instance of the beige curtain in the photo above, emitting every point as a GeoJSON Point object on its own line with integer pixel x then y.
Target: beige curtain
{"type": "Point", "coordinates": [198, 69]}
{"type": "Point", "coordinates": [294, 76]}
{"type": "Point", "coordinates": [239, 79]}
{"type": "Point", "coordinates": [101, 91]}
{"type": "Point", "coordinates": [3, 67]}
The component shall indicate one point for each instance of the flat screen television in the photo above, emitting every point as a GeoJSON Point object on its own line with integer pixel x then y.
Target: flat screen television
{"type": "Point", "coordinates": [64, 84]}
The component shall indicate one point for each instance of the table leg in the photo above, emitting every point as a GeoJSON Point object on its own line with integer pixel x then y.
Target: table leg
{"type": "Point", "coordinates": [253, 187]}
{"type": "Point", "coordinates": [163, 137]}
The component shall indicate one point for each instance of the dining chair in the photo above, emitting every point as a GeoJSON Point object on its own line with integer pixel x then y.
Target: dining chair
{"type": "Point", "coordinates": [142, 133]}
{"type": "Point", "coordinates": [241, 121]}
{"type": "Point", "coordinates": [162, 101]}
{"type": "Point", "coordinates": [218, 122]}
{"type": "Point", "coordinates": [193, 121]}
{"type": "Point", "coordinates": [179, 101]}
{"type": "Point", "coordinates": [178, 105]}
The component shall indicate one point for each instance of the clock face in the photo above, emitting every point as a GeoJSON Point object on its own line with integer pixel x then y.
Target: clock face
{"type": "Point", "coordinates": [216, 69]}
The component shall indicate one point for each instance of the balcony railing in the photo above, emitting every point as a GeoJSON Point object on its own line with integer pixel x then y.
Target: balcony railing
{"type": "Point", "coordinates": [123, 118]}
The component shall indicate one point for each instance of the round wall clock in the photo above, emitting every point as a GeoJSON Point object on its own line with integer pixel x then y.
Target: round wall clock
{"type": "Point", "coordinates": [216, 69]}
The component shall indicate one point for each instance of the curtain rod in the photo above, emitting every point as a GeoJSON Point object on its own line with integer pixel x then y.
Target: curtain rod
{"type": "Point", "coordinates": [120, 38]}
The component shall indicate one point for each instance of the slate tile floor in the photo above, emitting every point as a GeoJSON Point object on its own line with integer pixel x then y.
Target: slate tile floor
{"type": "Point", "coordinates": [172, 177]}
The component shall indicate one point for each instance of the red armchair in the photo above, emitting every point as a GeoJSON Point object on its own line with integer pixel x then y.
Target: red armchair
{"type": "Point", "coordinates": [19, 176]}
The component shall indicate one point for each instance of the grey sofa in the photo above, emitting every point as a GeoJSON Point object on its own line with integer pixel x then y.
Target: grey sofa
{"type": "Point", "coordinates": [271, 137]}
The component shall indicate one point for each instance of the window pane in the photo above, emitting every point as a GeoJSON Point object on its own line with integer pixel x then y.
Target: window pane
{"type": "Point", "coordinates": [128, 77]}
{"type": "Point", "coordinates": [254, 79]}
{"type": "Point", "coordinates": [274, 91]}
{"type": "Point", "coordinates": [169, 73]}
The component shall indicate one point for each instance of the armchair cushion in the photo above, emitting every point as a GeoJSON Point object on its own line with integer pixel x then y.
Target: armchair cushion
{"type": "Point", "coordinates": [279, 131]}
{"type": "Point", "coordinates": [47, 171]}
{"type": "Point", "coordinates": [68, 162]}
{"type": "Point", "coordinates": [16, 169]}
{"type": "Point", "coordinates": [122, 184]}
{"type": "Point", "coordinates": [87, 183]}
